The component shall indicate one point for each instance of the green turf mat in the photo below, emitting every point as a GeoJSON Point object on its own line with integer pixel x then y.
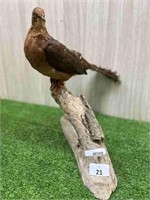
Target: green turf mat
{"type": "Point", "coordinates": [38, 164]}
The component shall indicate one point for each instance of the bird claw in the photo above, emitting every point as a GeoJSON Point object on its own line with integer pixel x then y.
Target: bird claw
{"type": "Point", "coordinates": [56, 85]}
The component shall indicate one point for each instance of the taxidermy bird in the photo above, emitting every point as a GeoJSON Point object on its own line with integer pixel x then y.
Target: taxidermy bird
{"type": "Point", "coordinates": [51, 58]}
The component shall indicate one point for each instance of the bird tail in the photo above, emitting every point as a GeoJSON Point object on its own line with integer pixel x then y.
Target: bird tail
{"type": "Point", "coordinates": [106, 72]}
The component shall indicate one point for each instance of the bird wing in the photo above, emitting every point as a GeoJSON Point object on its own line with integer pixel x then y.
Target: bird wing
{"type": "Point", "coordinates": [62, 59]}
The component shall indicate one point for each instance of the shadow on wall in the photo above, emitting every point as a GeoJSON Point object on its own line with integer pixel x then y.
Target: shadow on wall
{"type": "Point", "coordinates": [99, 92]}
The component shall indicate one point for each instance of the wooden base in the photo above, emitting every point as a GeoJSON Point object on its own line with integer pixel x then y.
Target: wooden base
{"type": "Point", "coordinates": [83, 133]}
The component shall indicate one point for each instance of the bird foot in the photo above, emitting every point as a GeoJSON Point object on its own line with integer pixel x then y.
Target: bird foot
{"type": "Point", "coordinates": [56, 85]}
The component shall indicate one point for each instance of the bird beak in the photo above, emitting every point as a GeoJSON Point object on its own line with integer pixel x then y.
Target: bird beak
{"type": "Point", "coordinates": [43, 18]}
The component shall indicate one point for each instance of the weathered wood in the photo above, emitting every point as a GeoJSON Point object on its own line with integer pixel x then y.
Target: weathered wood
{"type": "Point", "coordinates": [83, 133]}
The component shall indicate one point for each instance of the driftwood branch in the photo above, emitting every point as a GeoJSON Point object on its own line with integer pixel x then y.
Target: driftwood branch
{"type": "Point", "coordinates": [83, 133]}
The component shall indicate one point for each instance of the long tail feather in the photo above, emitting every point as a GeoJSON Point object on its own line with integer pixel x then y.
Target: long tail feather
{"type": "Point", "coordinates": [106, 72]}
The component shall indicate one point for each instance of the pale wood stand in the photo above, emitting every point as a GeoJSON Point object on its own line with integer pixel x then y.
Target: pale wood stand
{"type": "Point", "coordinates": [83, 132]}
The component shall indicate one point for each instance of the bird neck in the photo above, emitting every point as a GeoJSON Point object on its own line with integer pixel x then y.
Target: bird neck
{"type": "Point", "coordinates": [39, 27]}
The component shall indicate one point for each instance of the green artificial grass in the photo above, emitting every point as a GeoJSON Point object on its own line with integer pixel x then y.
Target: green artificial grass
{"type": "Point", "coordinates": [37, 162]}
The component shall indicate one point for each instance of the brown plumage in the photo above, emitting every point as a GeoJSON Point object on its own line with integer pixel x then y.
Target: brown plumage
{"type": "Point", "coordinates": [53, 59]}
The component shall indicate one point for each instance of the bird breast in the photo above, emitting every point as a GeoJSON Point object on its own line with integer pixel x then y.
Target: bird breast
{"type": "Point", "coordinates": [33, 48]}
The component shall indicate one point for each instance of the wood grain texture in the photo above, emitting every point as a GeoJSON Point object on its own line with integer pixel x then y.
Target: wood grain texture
{"type": "Point", "coordinates": [114, 34]}
{"type": "Point", "coordinates": [83, 133]}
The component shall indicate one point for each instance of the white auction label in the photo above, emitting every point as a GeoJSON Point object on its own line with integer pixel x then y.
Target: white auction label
{"type": "Point", "coordinates": [96, 169]}
{"type": "Point", "coordinates": [95, 152]}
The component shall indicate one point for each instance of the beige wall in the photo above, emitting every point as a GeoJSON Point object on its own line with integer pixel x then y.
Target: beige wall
{"type": "Point", "coordinates": [114, 34]}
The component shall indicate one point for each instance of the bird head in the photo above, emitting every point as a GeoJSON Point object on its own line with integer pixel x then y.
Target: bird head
{"type": "Point", "coordinates": [38, 16]}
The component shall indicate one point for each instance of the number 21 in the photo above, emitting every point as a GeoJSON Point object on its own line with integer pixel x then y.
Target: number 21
{"type": "Point", "coordinates": [99, 172]}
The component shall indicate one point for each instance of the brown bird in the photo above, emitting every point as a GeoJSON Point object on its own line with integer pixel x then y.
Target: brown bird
{"type": "Point", "coordinates": [52, 58]}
